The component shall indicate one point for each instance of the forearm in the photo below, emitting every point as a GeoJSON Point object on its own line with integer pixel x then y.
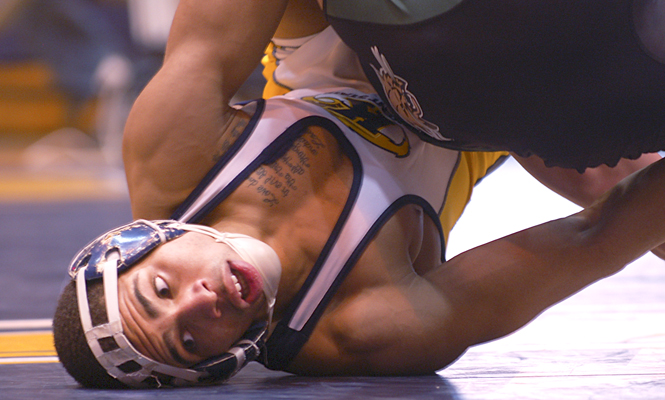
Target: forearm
{"type": "Point", "coordinates": [499, 287]}
{"type": "Point", "coordinates": [212, 47]}
{"type": "Point", "coordinates": [229, 35]}
{"type": "Point", "coordinates": [631, 216]}
{"type": "Point", "coordinates": [585, 188]}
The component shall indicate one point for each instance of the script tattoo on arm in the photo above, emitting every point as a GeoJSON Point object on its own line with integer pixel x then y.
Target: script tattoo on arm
{"type": "Point", "coordinates": [276, 181]}
{"type": "Point", "coordinates": [230, 138]}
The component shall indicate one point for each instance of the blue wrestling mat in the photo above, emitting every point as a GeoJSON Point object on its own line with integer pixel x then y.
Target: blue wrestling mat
{"type": "Point", "coordinates": [37, 241]}
{"type": "Point", "coordinates": [607, 342]}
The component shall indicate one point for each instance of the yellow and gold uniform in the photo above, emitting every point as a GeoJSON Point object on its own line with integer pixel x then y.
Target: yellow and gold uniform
{"type": "Point", "coordinates": [299, 63]}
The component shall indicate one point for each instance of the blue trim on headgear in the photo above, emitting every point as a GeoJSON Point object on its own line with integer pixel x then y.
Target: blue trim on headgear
{"type": "Point", "coordinates": [134, 241]}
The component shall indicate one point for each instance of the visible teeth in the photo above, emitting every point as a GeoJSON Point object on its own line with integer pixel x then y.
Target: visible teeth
{"type": "Point", "coordinates": [236, 283]}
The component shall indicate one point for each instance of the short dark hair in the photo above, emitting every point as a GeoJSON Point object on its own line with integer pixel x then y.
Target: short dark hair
{"type": "Point", "coordinates": [70, 343]}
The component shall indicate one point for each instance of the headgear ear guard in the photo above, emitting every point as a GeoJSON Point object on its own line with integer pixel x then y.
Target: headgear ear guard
{"type": "Point", "coordinates": [118, 250]}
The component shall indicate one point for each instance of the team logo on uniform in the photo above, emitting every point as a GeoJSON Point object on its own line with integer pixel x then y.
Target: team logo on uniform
{"type": "Point", "coordinates": [402, 101]}
{"type": "Point", "coordinates": [366, 119]}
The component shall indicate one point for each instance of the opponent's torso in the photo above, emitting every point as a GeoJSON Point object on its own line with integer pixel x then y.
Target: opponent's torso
{"type": "Point", "coordinates": [570, 82]}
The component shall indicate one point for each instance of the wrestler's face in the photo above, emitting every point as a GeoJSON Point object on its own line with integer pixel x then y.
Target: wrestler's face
{"type": "Point", "coordinates": [189, 300]}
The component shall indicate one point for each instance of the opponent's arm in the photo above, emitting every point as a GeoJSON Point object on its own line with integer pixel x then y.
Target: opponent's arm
{"type": "Point", "coordinates": [423, 324]}
{"type": "Point", "coordinates": [181, 116]}
{"type": "Point", "coordinates": [497, 288]}
{"type": "Point", "coordinates": [584, 188]}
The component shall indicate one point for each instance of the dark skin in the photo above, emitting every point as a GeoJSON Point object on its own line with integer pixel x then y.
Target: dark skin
{"type": "Point", "coordinates": [400, 310]}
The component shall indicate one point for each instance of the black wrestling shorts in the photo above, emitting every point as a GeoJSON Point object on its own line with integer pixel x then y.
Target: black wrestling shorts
{"type": "Point", "coordinates": [578, 83]}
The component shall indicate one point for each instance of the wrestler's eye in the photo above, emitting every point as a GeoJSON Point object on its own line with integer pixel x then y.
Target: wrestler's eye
{"type": "Point", "coordinates": [162, 288]}
{"type": "Point", "coordinates": [188, 341]}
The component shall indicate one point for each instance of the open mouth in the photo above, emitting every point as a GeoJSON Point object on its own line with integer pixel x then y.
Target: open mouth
{"type": "Point", "coordinates": [246, 281]}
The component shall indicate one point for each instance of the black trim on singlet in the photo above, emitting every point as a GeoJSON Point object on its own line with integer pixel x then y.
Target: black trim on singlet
{"type": "Point", "coordinates": [499, 162]}
{"type": "Point", "coordinates": [278, 347]}
{"type": "Point", "coordinates": [270, 154]}
{"type": "Point", "coordinates": [221, 163]}
{"type": "Point", "coordinates": [450, 182]}
{"type": "Point", "coordinates": [285, 343]}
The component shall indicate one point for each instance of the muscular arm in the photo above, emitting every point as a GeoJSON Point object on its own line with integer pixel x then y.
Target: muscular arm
{"type": "Point", "coordinates": [495, 289]}
{"type": "Point", "coordinates": [424, 323]}
{"type": "Point", "coordinates": [183, 112]}
{"type": "Point", "coordinates": [584, 188]}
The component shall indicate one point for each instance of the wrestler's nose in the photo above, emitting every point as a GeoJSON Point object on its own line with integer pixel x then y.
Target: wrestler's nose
{"type": "Point", "coordinates": [199, 301]}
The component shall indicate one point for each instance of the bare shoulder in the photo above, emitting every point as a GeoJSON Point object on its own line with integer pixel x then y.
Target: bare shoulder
{"type": "Point", "coordinates": [386, 319]}
{"type": "Point", "coordinates": [388, 330]}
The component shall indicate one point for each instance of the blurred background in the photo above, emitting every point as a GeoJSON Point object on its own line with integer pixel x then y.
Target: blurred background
{"type": "Point", "coordinates": [69, 70]}
{"type": "Point", "coordinates": [69, 73]}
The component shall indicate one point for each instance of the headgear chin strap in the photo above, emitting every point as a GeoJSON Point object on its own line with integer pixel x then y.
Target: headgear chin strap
{"type": "Point", "coordinates": [121, 248]}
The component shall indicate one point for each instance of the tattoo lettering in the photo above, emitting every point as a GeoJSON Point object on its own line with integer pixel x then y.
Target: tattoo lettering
{"type": "Point", "coordinates": [276, 181]}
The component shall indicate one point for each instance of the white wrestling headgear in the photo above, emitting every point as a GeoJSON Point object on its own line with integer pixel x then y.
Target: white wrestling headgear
{"type": "Point", "coordinates": [119, 249]}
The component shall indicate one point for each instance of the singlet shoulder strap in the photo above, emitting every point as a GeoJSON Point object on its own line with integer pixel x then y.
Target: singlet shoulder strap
{"type": "Point", "coordinates": [268, 134]}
